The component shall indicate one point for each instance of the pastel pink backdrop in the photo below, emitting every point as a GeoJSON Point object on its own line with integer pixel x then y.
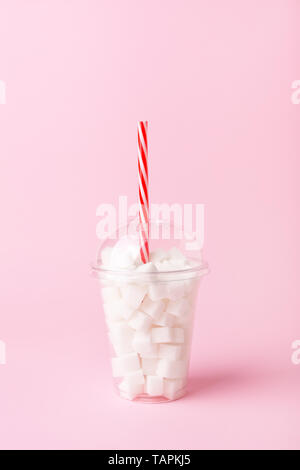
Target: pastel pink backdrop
{"type": "Point", "coordinates": [214, 80]}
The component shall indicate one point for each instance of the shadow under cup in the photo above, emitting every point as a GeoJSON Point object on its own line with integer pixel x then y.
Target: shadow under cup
{"type": "Point", "coordinates": [149, 318]}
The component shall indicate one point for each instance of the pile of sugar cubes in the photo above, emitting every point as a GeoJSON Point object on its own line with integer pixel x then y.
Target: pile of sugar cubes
{"type": "Point", "coordinates": [149, 322]}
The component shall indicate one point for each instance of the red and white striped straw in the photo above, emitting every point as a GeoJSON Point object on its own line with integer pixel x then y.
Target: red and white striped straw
{"type": "Point", "coordinates": [143, 190]}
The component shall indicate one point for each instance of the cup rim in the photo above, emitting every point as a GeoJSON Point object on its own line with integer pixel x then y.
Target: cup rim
{"type": "Point", "coordinates": [106, 273]}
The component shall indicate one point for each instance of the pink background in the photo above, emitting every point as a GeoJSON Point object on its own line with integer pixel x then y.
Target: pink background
{"type": "Point", "coordinates": [214, 80]}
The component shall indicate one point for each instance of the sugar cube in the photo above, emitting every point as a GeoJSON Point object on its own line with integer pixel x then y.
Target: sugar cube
{"type": "Point", "coordinates": [125, 364]}
{"type": "Point", "coordinates": [173, 388]}
{"type": "Point", "coordinates": [154, 385]}
{"type": "Point", "coordinates": [170, 351]}
{"type": "Point", "coordinates": [154, 309]}
{"type": "Point", "coordinates": [166, 334]}
{"type": "Point", "coordinates": [110, 294]}
{"type": "Point", "coordinates": [142, 343]}
{"type": "Point", "coordinates": [149, 365]}
{"type": "Point", "coordinates": [140, 321]}
{"type": "Point", "coordinates": [121, 336]}
{"type": "Point", "coordinates": [178, 307]}
{"type": "Point", "coordinates": [166, 319]}
{"type": "Point", "coordinates": [133, 295]}
{"type": "Point", "coordinates": [171, 369]}
{"type": "Point", "coordinates": [129, 390]}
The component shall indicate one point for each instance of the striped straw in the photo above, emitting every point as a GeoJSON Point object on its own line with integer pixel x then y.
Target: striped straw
{"type": "Point", "coordinates": [143, 190]}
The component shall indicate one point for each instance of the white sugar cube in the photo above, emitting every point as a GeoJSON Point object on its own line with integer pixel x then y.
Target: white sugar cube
{"type": "Point", "coordinates": [110, 294]}
{"type": "Point", "coordinates": [162, 335]}
{"type": "Point", "coordinates": [136, 377]}
{"type": "Point", "coordinates": [175, 254]}
{"type": "Point", "coordinates": [150, 355]}
{"type": "Point", "coordinates": [158, 256]}
{"type": "Point", "coordinates": [158, 291]}
{"type": "Point", "coordinates": [178, 335]}
{"type": "Point", "coordinates": [129, 390]}
{"type": "Point", "coordinates": [166, 334]}
{"type": "Point", "coordinates": [183, 321]}
{"type": "Point", "coordinates": [125, 253]}
{"type": "Point", "coordinates": [170, 351]}
{"type": "Point", "coordinates": [166, 319]}
{"type": "Point", "coordinates": [132, 396]}
{"type": "Point", "coordinates": [123, 365]}
{"type": "Point", "coordinates": [154, 385]}
{"type": "Point", "coordinates": [133, 295]}
{"type": "Point", "coordinates": [117, 309]}
{"type": "Point", "coordinates": [165, 265]}
{"type": "Point", "coordinates": [176, 290]}
{"type": "Point", "coordinates": [142, 343]}
{"type": "Point", "coordinates": [154, 309]}
{"type": "Point", "coordinates": [178, 307]}
{"type": "Point", "coordinates": [171, 369]}
{"type": "Point", "coordinates": [146, 268]}
{"type": "Point", "coordinates": [140, 321]}
{"type": "Point", "coordinates": [124, 309]}
{"type": "Point", "coordinates": [173, 388]}
{"type": "Point", "coordinates": [149, 366]}
{"type": "Point", "coordinates": [121, 336]}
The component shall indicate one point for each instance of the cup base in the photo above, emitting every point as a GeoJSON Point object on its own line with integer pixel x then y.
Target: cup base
{"type": "Point", "coordinates": [144, 398]}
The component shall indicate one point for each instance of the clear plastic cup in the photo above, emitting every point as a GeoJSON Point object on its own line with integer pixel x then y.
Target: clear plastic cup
{"type": "Point", "coordinates": [149, 318]}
